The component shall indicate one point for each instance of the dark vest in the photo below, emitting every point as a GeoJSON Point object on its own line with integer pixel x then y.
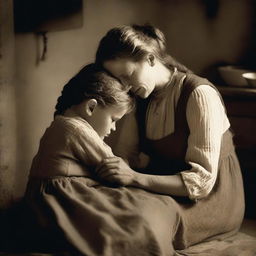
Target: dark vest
{"type": "Point", "coordinates": [168, 153]}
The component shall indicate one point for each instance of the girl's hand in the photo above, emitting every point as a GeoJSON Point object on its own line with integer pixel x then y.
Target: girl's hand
{"type": "Point", "coordinates": [116, 170]}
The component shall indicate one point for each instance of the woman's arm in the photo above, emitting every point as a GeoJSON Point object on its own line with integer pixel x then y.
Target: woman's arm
{"type": "Point", "coordinates": [168, 185]}
{"type": "Point", "coordinates": [207, 122]}
{"type": "Point", "coordinates": [116, 170]}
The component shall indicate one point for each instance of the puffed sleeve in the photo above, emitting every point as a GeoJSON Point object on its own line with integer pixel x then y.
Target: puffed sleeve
{"type": "Point", "coordinates": [87, 146]}
{"type": "Point", "coordinates": [207, 122]}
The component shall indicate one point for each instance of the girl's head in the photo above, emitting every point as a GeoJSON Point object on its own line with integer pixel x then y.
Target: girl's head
{"type": "Point", "coordinates": [141, 47]}
{"type": "Point", "coordinates": [96, 96]}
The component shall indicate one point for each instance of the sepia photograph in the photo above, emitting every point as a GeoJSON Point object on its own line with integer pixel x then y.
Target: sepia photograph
{"type": "Point", "coordinates": [127, 127]}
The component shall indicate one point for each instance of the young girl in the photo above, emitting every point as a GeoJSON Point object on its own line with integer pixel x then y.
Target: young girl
{"type": "Point", "coordinates": [71, 205]}
{"type": "Point", "coordinates": [86, 112]}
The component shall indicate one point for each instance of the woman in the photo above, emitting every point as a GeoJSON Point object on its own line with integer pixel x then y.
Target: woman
{"type": "Point", "coordinates": [178, 140]}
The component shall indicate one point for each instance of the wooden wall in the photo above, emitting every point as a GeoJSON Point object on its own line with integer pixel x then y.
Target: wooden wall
{"type": "Point", "coordinates": [7, 105]}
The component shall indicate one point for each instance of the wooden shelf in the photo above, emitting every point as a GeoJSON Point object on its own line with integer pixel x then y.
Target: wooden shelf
{"type": "Point", "coordinates": [246, 93]}
{"type": "Point", "coordinates": [240, 103]}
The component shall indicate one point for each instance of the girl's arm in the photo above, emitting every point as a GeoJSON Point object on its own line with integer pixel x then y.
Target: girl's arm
{"type": "Point", "coordinates": [86, 145]}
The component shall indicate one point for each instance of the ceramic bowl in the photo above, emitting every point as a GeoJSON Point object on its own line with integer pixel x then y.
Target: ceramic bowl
{"type": "Point", "coordinates": [232, 75]}
{"type": "Point", "coordinates": [250, 78]}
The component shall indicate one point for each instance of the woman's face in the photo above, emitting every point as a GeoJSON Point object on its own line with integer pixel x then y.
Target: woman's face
{"type": "Point", "coordinates": [137, 74]}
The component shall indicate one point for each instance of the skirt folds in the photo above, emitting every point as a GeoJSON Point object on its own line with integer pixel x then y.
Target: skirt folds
{"type": "Point", "coordinates": [101, 220]}
{"type": "Point", "coordinates": [105, 221]}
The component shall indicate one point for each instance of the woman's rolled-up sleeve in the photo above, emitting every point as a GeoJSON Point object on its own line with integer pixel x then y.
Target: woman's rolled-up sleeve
{"type": "Point", "coordinates": [207, 122]}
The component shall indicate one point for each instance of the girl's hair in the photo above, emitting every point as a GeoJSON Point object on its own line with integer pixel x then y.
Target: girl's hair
{"type": "Point", "coordinates": [92, 82]}
{"type": "Point", "coordinates": [135, 41]}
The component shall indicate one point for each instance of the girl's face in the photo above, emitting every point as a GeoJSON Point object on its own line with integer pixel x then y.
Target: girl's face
{"type": "Point", "coordinates": [137, 74]}
{"type": "Point", "coordinates": [103, 119]}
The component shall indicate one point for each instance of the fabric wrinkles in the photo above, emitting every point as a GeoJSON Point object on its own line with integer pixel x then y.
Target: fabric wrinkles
{"type": "Point", "coordinates": [104, 220]}
{"type": "Point", "coordinates": [69, 147]}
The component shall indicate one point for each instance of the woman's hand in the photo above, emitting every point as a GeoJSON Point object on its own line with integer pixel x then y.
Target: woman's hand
{"type": "Point", "coordinates": [116, 170]}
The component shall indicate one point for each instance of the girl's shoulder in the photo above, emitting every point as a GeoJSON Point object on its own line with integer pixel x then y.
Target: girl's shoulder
{"type": "Point", "coordinates": [74, 126]}
{"type": "Point", "coordinates": [69, 125]}
{"type": "Point", "coordinates": [70, 122]}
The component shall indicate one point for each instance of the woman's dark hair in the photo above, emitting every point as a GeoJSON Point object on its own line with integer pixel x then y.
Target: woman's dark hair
{"type": "Point", "coordinates": [135, 41]}
{"type": "Point", "coordinates": [92, 82]}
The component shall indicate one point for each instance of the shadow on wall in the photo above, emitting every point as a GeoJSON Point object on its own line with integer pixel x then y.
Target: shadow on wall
{"type": "Point", "coordinates": [200, 34]}
{"type": "Point", "coordinates": [247, 56]}
{"type": "Point", "coordinates": [206, 34]}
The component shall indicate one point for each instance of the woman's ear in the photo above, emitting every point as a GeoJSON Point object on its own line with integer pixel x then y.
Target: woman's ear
{"type": "Point", "coordinates": [90, 106]}
{"type": "Point", "coordinates": [151, 59]}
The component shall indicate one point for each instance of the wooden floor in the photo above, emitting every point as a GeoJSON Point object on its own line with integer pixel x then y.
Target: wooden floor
{"type": "Point", "coordinates": [249, 227]}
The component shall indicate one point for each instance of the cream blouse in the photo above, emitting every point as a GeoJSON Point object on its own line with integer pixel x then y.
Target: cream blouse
{"type": "Point", "coordinates": [207, 122]}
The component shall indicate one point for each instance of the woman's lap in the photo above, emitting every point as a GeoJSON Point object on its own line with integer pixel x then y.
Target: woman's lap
{"type": "Point", "coordinates": [220, 214]}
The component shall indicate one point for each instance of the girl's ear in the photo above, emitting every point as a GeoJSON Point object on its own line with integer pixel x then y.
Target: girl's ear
{"type": "Point", "coordinates": [151, 59]}
{"type": "Point", "coordinates": [90, 106]}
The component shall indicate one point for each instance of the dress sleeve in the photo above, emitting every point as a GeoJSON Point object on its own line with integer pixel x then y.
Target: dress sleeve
{"type": "Point", "coordinates": [207, 122]}
{"type": "Point", "coordinates": [86, 145]}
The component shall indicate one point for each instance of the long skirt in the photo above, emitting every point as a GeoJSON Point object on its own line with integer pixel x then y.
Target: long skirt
{"type": "Point", "coordinates": [100, 220]}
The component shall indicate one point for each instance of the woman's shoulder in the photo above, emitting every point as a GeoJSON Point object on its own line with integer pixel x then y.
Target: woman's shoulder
{"type": "Point", "coordinates": [196, 85]}
{"type": "Point", "coordinates": [195, 79]}
{"type": "Point", "coordinates": [204, 91]}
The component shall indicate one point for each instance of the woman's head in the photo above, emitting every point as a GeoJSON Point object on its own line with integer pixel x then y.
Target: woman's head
{"type": "Point", "coordinates": [133, 42]}
{"type": "Point", "coordinates": [137, 55]}
{"type": "Point", "coordinates": [136, 42]}
{"type": "Point", "coordinates": [96, 96]}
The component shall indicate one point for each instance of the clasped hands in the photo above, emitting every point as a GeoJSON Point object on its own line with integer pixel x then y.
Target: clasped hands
{"type": "Point", "coordinates": [116, 170]}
